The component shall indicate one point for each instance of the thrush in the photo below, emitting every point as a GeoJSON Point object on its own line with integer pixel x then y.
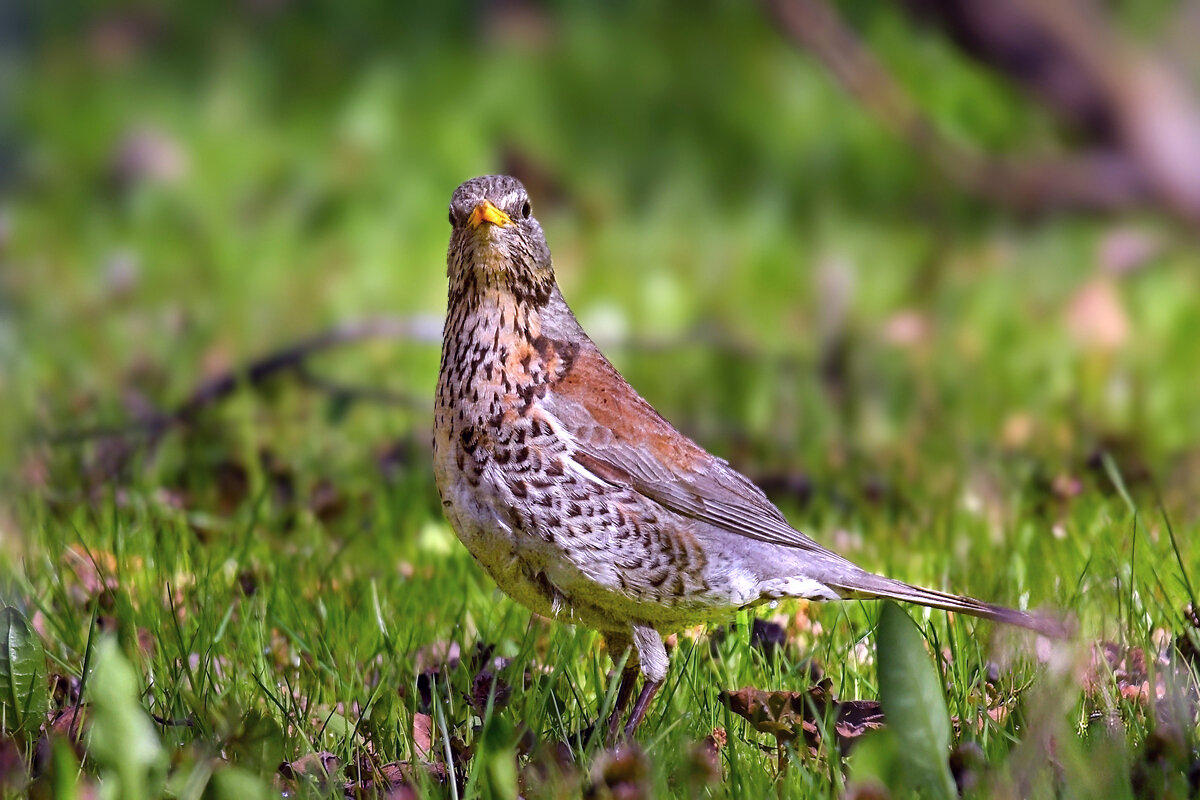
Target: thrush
{"type": "Point", "coordinates": [576, 496]}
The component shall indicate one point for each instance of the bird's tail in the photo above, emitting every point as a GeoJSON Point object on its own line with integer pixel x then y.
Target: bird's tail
{"type": "Point", "coordinates": [864, 584]}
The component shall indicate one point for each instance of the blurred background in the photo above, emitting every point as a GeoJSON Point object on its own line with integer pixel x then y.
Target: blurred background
{"type": "Point", "coordinates": [851, 246]}
{"type": "Point", "coordinates": [927, 271]}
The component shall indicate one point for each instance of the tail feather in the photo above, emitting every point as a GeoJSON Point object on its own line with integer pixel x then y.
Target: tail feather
{"type": "Point", "coordinates": [868, 585]}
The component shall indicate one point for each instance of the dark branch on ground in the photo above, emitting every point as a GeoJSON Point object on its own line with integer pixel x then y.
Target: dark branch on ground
{"type": "Point", "coordinates": [145, 431]}
{"type": "Point", "coordinates": [290, 358]}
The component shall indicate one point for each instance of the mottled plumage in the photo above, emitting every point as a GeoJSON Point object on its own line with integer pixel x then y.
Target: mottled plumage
{"type": "Point", "coordinates": [574, 494]}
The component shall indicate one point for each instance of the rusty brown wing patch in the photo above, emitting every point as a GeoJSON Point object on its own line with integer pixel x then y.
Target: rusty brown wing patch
{"type": "Point", "coordinates": [622, 439]}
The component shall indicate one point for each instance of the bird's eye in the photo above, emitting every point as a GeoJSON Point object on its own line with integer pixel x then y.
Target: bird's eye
{"type": "Point", "coordinates": [526, 210]}
{"type": "Point", "coordinates": [451, 216]}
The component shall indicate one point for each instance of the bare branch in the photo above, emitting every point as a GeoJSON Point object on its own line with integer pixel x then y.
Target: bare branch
{"type": "Point", "coordinates": [291, 358]}
{"type": "Point", "coordinates": [1104, 179]}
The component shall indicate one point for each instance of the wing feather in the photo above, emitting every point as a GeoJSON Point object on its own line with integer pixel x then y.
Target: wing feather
{"type": "Point", "coordinates": [621, 439]}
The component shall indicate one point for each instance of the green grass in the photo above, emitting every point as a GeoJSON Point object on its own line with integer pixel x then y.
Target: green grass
{"type": "Point", "coordinates": [278, 573]}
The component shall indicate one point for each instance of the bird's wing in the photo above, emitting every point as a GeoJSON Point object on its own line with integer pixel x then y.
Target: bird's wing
{"type": "Point", "coordinates": [620, 438]}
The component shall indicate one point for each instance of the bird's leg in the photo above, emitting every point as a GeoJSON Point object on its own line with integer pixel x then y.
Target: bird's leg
{"type": "Point", "coordinates": [618, 643]}
{"type": "Point", "coordinates": [624, 694]}
{"type": "Point", "coordinates": [649, 689]}
{"type": "Point", "coordinates": [652, 656]}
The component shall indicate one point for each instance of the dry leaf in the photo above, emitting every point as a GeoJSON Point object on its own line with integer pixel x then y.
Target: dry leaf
{"type": "Point", "coordinates": [788, 715]}
{"type": "Point", "coordinates": [314, 765]}
{"type": "Point", "coordinates": [392, 780]}
{"type": "Point", "coordinates": [233, 485]}
{"type": "Point", "coordinates": [1185, 643]}
{"type": "Point", "coordinates": [422, 735]}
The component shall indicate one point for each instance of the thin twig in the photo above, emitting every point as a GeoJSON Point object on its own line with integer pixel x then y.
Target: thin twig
{"type": "Point", "coordinates": [290, 358]}
{"type": "Point", "coordinates": [122, 442]}
{"type": "Point", "coordinates": [357, 394]}
{"type": "Point", "coordinates": [186, 722]}
{"type": "Point", "coordinates": [293, 359]}
{"type": "Point", "coordinates": [255, 373]}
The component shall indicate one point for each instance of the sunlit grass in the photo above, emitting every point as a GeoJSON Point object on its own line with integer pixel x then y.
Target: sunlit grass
{"type": "Point", "coordinates": [904, 377]}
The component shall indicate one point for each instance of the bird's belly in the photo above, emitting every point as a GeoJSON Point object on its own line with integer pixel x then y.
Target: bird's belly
{"type": "Point", "coordinates": [603, 575]}
{"type": "Point", "coordinates": [533, 572]}
{"type": "Point", "coordinates": [479, 521]}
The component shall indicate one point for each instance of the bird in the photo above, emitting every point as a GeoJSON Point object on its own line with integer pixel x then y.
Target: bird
{"type": "Point", "coordinates": [577, 497]}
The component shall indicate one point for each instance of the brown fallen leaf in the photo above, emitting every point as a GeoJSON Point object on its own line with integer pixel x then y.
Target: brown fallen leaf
{"type": "Point", "coordinates": [401, 791]}
{"type": "Point", "coordinates": [93, 570]}
{"type": "Point", "coordinates": [396, 779]}
{"type": "Point", "coordinates": [69, 724]}
{"type": "Point", "coordinates": [65, 690]}
{"type": "Point", "coordinates": [867, 790]}
{"type": "Point", "coordinates": [967, 764]}
{"type": "Point", "coordinates": [432, 661]}
{"type": "Point", "coordinates": [422, 735]}
{"type": "Point", "coordinates": [787, 715]}
{"type": "Point", "coordinates": [997, 714]}
{"type": "Point", "coordinates": [719, 738]}
{"type": "Point", "coordinates": [1126, 666]}
{"type": "Point", "coordinates": [247, 581]}
{"type": "Point", "coordinates": [317, 766]}
{"type": "Point", "coordinates": [855, 718]}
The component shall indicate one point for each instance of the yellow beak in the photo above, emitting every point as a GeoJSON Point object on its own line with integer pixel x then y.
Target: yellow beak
{"type": "Point", "coordinates": [486, 212]}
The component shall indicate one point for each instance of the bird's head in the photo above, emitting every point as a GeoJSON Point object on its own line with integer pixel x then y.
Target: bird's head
{"type": "Point", "coordinates": [495, 241]}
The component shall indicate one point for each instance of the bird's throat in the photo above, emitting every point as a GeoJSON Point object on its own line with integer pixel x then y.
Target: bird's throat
{"type": "Point", "coordinates": [486, 272]}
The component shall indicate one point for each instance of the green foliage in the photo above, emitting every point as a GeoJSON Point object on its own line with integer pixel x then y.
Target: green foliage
{"type": "Point", "coordinates": [258, 742]}
{"type": "Point", "coordinates": [122, 739]}
{"type": "Point", "coordinates": [63, 780]}
{"type": "Point", "coordinates": [496, 759]}
{"type": "Point", "coordinates": [231, 783]}
{"type": "Point", "coordinates": [914, 704]}
{"type": "Point", "coordinates": [23, 698]}
{"type": "Point", "coordinates": [877, 761]}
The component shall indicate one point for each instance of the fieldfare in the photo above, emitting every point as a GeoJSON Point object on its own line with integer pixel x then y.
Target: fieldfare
{"type": "Point", "coordinates": [575, 495]}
